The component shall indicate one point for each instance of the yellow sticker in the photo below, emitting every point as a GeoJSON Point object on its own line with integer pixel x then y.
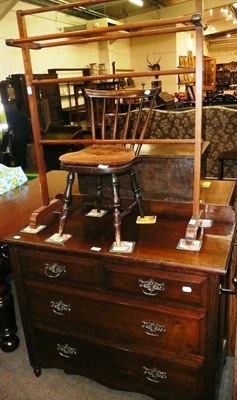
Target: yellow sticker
{"type": "Point", "coordinates": [148, 219]}
{"type": "Point", "coordinates": [205, 184]}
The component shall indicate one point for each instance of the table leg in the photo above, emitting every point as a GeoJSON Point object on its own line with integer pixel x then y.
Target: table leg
{"type": "Point", "coordinates": [221, 169]}
{"type": "Point", "coordinates": [9, 341]}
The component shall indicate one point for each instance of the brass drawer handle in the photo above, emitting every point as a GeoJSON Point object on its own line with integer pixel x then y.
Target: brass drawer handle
{"type": "Point", "coordinates": [58, 307]}
{"type": "Point", "coordinates": [4, 251]}
{"type": "Point", "coordinates": [234, 279]}
{"type": "Point", "coordinates": [151, 288]}
{"type": "Point", "coordinates": [54, 270]}
{"type": "Point", "coordinates": [66, 351]}
{"type": "Point", "coordinates": [152, 328]}
{"type": "Point", "coordinates": [154, 375]}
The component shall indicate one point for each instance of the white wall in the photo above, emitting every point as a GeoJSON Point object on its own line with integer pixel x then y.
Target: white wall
{"type": "Point", "coordinates": [74, 56]}
{"type": "Point", "coordinates": [223, 54]}
{"type": "Point", "coordinates": [126, 54]}
{"type": "Point", "coordinates": [41, 59]}
{"type": "Point", "coordinates": [155, 47]}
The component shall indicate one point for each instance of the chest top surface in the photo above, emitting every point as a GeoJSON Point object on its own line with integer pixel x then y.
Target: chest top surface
{"type": "Point", "coordinates": [155, 244]}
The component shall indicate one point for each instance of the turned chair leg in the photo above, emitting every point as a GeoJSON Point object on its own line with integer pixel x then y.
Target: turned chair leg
{"type": "Point", "coordinates": [67, 198]}
{"type": "Point", "coordinates": [220, 169]}
{"type": "Point", "coordinates": [99, 193]}
{"type": "Point", "coordinates": [116, 209]}
{"type": "Point", "coordinates": [136, 191]}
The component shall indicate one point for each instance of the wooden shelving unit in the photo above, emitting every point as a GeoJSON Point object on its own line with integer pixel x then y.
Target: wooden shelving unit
{"type": "Point", "coordinates": [48, 98]}
{"type": "Point", "coordinates": [70, 94]}
{"type": "Point", "coordinates": [226, 75]}
{"type": "Point", "coordinates": [128, 30]}
{"type": "Point", "coordinates": [209, 72]}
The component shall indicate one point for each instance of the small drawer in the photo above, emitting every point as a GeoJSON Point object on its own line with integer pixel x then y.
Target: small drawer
{"type": "Point", "coordinates": [152, 329]}
{"type": "Point", "coordinates": [55, 267]}
{"type": "Point", "coordinates": [159, 378]}
{"type": "Point", "coordinates": [156, 286]}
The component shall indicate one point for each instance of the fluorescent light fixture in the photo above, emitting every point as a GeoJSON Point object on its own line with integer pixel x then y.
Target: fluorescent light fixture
{"type": "Point", "coordinates": [137, 2]}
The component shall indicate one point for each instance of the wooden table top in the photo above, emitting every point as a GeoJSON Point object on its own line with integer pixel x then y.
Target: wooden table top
{"type": "Point", "coordinates": [17, 205]}
{"type": "Point", "coordinates": [217, 192]}
{"type": "Point", "coordinates": [175, 150]}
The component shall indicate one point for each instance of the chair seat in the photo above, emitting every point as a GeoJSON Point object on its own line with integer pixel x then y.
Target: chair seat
{"type": "Point", "coordinates": [99, 154]}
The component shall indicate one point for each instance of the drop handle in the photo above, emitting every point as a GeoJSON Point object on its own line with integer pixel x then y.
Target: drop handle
{"type": "Point", "coordinates": [230, 291]}
{"type": "Point", "coordinates": [154, 375]}
{"type": "Point", "coordinates": [64, 350]}
{"type": "Point", "coordinates": [234, 279]}
{"type": "Point", "coordinates": [54, 270]}
{"type": "Point", "coordinates": [4, 251]}
{"type": "Point", "coordinates": [152, 328]}
{"type": "Point", "coordinates": [151, 287]}
{"type": "Point", "coordinates": [60, 308]}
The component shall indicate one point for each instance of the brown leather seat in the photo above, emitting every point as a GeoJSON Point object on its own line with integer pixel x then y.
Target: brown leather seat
{"type": "Point", "coordinates": [123, 117]}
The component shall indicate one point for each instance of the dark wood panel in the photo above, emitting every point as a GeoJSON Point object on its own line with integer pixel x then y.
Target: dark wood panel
{"type": "Point", "coordinates": [166, 173]}
{"type": "Point", "coordinates": [117, 368]}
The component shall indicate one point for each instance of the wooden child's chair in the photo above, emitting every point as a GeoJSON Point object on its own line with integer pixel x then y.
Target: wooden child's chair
{"type": "Point", "coordinates": [122, 117]}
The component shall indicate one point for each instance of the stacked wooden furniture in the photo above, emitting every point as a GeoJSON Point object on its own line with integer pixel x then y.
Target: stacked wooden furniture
{"type": "Point", "coordinates": [155, 320]}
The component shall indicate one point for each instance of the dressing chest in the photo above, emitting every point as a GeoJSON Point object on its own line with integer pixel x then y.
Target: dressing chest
{"type": "Point", "coordinates": [153, 321]}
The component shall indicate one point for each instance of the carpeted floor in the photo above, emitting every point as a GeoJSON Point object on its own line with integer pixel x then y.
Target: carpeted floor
{"type": "Point", "coordinates": [18, 382]}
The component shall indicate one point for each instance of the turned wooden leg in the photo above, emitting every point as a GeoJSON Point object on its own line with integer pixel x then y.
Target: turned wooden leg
{"type": "Point", "coordinates": [220, 169]}
{"type": "Point", "coordinates": [9, 341]}
{"type": "Point", "coordinates": [99, 193]}
{"type": "Point", "coordinates": [67, 198]}
{"type": "Point", "coordinates": [136, 191]}
{"type": "Point", "coordinates": [116, 208]}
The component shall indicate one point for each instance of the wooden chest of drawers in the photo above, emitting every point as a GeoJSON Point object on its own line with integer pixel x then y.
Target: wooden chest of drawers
{"type": "Point", "coordinates": [152, 321]}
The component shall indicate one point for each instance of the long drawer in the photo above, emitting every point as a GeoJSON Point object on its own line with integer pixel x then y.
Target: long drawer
{"type": "Point", "coordinates": [156, 377]}
{"type": "Point", "coordinates": [122, 323]}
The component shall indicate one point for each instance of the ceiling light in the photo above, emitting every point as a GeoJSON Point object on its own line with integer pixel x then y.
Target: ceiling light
{"type": "Point", "coordinates": [137, 2]}
{"type": "Point", "coordinates": [228, 35]}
